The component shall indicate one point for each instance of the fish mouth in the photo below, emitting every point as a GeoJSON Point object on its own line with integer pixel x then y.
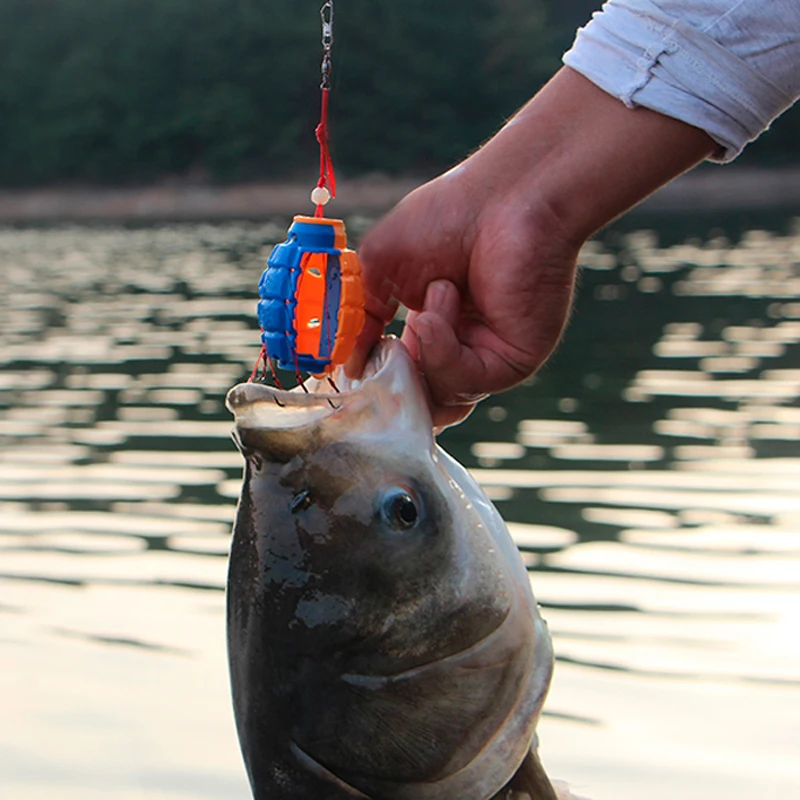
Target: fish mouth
{"type": "Point", "coordinates": [257, 405]}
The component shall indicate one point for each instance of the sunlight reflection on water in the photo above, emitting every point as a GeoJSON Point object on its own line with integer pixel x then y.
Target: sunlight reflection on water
{"type": "Point", "coordinates": [650, 475]}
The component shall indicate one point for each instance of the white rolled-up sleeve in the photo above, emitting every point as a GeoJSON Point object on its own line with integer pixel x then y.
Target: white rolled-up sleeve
{"type": "Point", "coordinates": [727, 67]}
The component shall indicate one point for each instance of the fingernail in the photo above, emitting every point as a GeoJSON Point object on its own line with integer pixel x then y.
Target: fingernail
{"type": "Point", "coordinates": [437, 295]}
{"type": "Point", "coordinates": [424, 331]}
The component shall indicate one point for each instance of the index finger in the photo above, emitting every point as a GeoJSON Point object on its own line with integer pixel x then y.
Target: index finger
{"type": "Point", "coordinates": [379, 312]}
{"type": "Point", "coordinates": [367, 339]}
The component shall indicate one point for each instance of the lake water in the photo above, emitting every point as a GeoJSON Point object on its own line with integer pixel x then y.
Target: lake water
{"type": "Point", "coordinates": [650, 474]}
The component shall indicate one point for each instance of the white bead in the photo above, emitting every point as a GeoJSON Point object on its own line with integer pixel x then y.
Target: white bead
{"type": "Point", "coordinates": [320, 196]}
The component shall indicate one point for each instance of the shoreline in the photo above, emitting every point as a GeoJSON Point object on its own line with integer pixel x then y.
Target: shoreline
{"type": "Point", "coordinates": [709, 188]}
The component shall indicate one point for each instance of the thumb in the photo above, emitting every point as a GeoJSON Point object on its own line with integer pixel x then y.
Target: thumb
{"type": "Point", "coordinates": [452, 370]}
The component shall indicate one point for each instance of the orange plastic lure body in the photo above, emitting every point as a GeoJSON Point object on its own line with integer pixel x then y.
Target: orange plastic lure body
{"type": "Point", "coordinates": [312, 298]}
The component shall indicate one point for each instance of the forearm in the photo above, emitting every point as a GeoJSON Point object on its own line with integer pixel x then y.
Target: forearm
{"type": "Point", "coordinates": [729, 68]}
{"type": "Point", "coordinates": [485, 255]}
{"type": "Point", "coordinates": [574, 158]}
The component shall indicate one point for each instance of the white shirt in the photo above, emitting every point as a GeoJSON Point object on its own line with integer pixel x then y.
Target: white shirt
{"type": "Point", "coordinates": [729, 67]}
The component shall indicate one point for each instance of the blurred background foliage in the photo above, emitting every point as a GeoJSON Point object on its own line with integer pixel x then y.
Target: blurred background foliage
{"type": "Point", "coordinates": [130, 91]}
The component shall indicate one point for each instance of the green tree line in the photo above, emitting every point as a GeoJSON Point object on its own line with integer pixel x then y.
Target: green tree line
{"type": "Point", "coordinates": [110, 91]}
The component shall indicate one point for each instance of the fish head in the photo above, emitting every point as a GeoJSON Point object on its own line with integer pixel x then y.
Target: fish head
{"type": "Point", "coordinates": [383, 639]}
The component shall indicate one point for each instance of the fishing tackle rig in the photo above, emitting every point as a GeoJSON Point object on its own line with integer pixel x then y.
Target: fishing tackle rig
{"type": "Point", "coordinates": [312, 298]}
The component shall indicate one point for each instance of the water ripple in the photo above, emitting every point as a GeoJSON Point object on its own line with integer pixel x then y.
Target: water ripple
{"type": "Point", "coordinates": [649, 474]}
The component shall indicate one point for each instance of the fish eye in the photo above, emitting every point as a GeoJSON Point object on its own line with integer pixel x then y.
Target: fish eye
{"type": "Point", "coordinates": [399, 509]}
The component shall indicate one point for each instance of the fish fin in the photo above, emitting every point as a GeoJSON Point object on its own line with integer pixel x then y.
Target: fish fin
{"type": "Point", "coordinates": [530, 783]}
{"type": "Point", "coordinates": [324, 774]}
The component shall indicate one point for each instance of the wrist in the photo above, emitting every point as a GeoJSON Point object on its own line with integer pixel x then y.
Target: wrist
{"type": "Point", "coordinates": [575, 158]}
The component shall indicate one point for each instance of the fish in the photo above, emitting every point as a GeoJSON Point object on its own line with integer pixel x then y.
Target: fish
{"type": "Point", "coordinates": [383, 638]}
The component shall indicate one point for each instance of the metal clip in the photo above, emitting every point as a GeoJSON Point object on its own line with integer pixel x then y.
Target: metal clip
{"type": "Point", "coordinates": [326, 14]}
{"type": "Point", "coordinates": [326, 72]}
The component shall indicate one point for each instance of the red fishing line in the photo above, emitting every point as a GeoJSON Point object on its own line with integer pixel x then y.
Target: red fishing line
{"type": "Point", "coordinates": [327, 178]}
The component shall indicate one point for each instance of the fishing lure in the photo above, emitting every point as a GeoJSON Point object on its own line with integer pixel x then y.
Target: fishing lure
{"type": "Point", "coordinates": [312, 299]}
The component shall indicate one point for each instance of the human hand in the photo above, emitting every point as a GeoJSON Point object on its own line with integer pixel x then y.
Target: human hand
{"type": "Point", "coordinates": [485, 255]}
{"type": "Point", "coordinates": [488, 297]}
